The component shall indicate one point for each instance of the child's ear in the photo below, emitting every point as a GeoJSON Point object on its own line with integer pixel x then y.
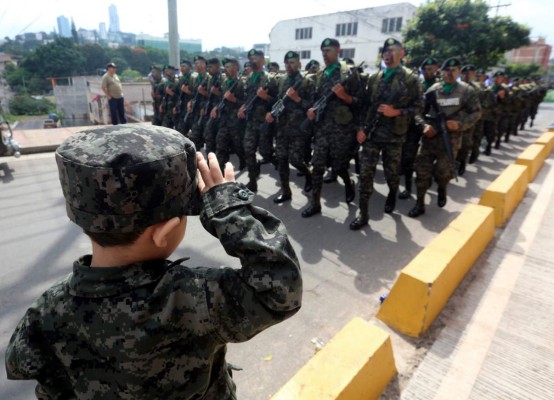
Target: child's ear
{"type": "Point", "coordinates": [163, 229]}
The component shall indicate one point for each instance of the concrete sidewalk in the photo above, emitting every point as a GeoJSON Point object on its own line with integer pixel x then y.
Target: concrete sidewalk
{"type": "Point", "coordinates": [499, 341]}
{"type": "Point", "coordinates": [43, 140]}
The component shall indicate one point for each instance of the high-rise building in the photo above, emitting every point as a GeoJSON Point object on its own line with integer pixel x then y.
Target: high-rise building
{"type": "Point", "coordinates": [63, 26]}
{"type": "Point", "coordinates": [114, 19]}
{"type": "Point", "coordinates": [102, 31]}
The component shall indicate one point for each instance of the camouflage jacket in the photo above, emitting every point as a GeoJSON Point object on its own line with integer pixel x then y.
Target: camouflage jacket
{"type": "Point", "coordinates": [255, 81]}
{"type": "Point", "coordinates": [460, 105]}
{"type": "Point", "coordinates": [158, 329]}
{"type": "Point", "coordinates": [403, 91]}
{"type": "Point", "coordinates": [337, 112]}
{"type": "Point", "coordinates": [294, 113]}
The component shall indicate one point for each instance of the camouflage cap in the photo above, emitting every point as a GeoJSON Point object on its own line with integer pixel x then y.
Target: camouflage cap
{"type": "Point", "coordinates": [124, 178]}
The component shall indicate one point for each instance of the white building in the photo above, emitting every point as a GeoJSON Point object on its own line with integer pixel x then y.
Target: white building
{"type": "Point", "coordinates": [63, 26]}
{"type": "Point", "coordinates": [361, 33]}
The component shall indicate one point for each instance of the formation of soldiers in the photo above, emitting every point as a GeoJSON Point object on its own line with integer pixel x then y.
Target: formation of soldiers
{"type": "Point", "coordinates": [430, 120]}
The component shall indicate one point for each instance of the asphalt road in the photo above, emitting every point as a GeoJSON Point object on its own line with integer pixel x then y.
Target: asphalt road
{"type": "Point", "coordinates": [344, 272]}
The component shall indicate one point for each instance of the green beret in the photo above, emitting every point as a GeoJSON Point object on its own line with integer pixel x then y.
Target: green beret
{"type": "Point", "coordinates": [451, 62]}
{"type": "Point", "coordinates": [155, 68]}
{"type": "Point", "coordinates": [124, 178]}
{"type": "Point", "coordinates": [391, 42]}
{"type": "Point", "coordinates": [169, 67]}
{"type": "Point", "coordinates": [469, 68]}
{"type": "Point", "coordinates": [311, 64]}
{"type": "Point", "coordinates": [231, 60]}
{"type": "Point", "coordinates": [187, 62]}
{"type": "Point", "coordinates": [255, 52]}
{"type": "Point", "coordinates": [198, 58]}
{"type": "Point", "coordinates": [213, 61]}
{"type": "Point", "coordinates": [329, 42]}
{"type": "Point", "coordinates": [291, 54]}
{"type": "Point", "coordinates": [499, 73]}
{"type": "Point", "coordinates": [429, 61]}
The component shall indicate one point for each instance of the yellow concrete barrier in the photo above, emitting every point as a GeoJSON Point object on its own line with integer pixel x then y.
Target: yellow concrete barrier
{"type": "Point", "coordinates": [427, 282]}
{"type": "Point", "coordinates": [551, 128]}
{"type": "Point", "coordinates": [546, 139]}
{"type": "Point", "coordinates": [505, 192]}
{"type": "Point", "coordinates": [357, 364]}
{"type": "Point", "coordinates": [533, 157]}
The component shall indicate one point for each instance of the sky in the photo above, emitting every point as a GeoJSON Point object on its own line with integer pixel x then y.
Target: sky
{"type": "Point", "coordinates": [222, 23]}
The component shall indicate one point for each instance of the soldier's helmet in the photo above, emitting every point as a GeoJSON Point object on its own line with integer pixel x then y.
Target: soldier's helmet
{"type": "Point", "coordinates": [124, 178]}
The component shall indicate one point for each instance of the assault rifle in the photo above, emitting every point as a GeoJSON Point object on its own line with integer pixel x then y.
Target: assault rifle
{"type": "Point", "coordinates": [208, 105]}
{"type": "Point", "coordinates": [194, 102]}
{"type": "Point", "coordinates": [280, 105]}
{"type": "Point", "coordinates": [320, 105]}
{"type": "Point", "coordinates": [221, 105]}
{"type": "Point", "coordinates": [440, 123]}
{"type": "Point", "coordinates": [249, 105]}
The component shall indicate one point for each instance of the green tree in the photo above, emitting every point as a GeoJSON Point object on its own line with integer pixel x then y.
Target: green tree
{"type": "Point", "coordinates": [74, 33]}
{"type": "Point", "coordinates": [27, 105]}
{"type": "Point", "coordinates": [56, 59]}
{"type": "Point", "coordinates": [523, 70]}
{"type": "Point", "coordinates": [446, 28]}
{"type": "Point", "coordinates": [96, 57]}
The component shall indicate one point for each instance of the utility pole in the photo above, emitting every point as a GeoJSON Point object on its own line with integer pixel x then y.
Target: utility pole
{"type": "Point", "coordinates": [173, 33]}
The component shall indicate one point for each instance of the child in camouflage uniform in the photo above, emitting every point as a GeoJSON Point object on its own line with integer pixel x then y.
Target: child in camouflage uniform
{"type": "Point", "coordinates": [127, 323]}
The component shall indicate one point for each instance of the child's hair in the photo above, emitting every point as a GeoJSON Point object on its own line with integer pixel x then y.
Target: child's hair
{"type": "Point", "coordinates": [110, 239]}
{"type": "Point", "coordinates": [118, 180]}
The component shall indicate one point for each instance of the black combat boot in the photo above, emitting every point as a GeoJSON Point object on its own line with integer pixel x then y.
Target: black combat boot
{"type": "Point", "coordinates": [362, 218]}
{"type": "Point", "coordinates": [462, 168]}
{"type": "Point", "coordinates": [286, 194]}
{"type": "Point", "coordinates": [419, 208]}
{"type": "Point", "coordinates": [406, 194]}
{"type": "Point", "coordinates": [390, 203]}
{"type": "Point", "coordinates": [497, 144]}
{"type": "Point", "coordinates": [473, 157]}
{"type": "Point", "coordinates": [314, 207]}
{"type": "Point", "coordinates": [252, 185]}
{"type": "Point", "coordinates": [441, 199]}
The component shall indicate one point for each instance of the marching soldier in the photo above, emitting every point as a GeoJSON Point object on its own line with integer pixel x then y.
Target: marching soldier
{"type": "Point", "coordinates": [170, 97]}
{"type": "Point", "coordinates": [184, 94]}
{"type": "Point", "coordinates": [214, 96]}
{"type": "Point", "coordinates": [503, 102]}
{"type": "Point", "coordinates": [469, 72]}
{"type": "Point", "coordinates": [260, 90]}
{"type": "Point", "coordinates": [295, 90]}
{"type": "Point", "coordinates": [429, 68]}
{"type": "Point", "coordinates": [197, 101]}
{"type": "Point", "coordinates": [224, 115]}
{"type": "Point", "coordinates": [459, 104]}
{"type": "Point", "coordinates": [157, 93]}
{"type": "Point", "coordinates": [335, 134]}
{"type": "Point", "coordinates": [394, 97]}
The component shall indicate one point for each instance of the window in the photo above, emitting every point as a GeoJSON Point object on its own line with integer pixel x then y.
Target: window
{"type": "Point", "coordinates": [391, 25]}
{"type": "Point", "coordinates": [305, 54]}
{"type": "Point", "coordinates": [303, 33]}
{"type": "Point", "coordinates": [348, 29]}
{"type": "Point", "coordinates": [347, 53]}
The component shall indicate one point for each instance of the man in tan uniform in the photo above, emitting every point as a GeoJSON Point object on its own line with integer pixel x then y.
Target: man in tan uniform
{"type": "Point", "coordinates": [111, 85]}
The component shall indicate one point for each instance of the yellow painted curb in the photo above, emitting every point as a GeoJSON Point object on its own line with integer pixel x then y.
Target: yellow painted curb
{"type": "Point", "coordinates": [533, 157]}
{"type": "Point", "coordinates": [546, 139]}
{"type": "Point", "coordinates": [357, 364]}
{"type": "Point", "coordinates": [505, 192]}
{"type": "Point", "coordinates": [427, 282]}
{"type": "Point", "coordinates": [551, 129]}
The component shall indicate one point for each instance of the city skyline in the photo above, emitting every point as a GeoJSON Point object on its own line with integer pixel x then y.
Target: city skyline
{"type": "Point", "coordinates": [236, 28]}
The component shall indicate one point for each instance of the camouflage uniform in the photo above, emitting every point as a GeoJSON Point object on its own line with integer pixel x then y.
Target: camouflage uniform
{"type": "Point", "coordinates": [335, 132]}
{"type": "Point", "coordinates": [402, 90]}
{"type": "Point", "coordinates": [157, 93]}
{"type": "Point", "coordinates": [171, 96]}
{"type": "Point", "coordinates": [254, 119]}
{"type": "Point", "coordinates": [210, 134]}
{"type": "Point", "coordinates": [502, 113]}
{"type": "Point", "coordinates": [290, 140]}
{"type": "Point", "coordinates": [194, 118]}
{"type": "Point", "coordinates": [468, 138]}
{"type": "Point", "coordinates": [184, 80]}
{"type": "Point", "coordinates": [461, 105]}
{"type": "Point", "coordinates": [486, 126]}
{"type": "Point", "coordinates": [229, 125]}
{"type": "Point", "coordinates": [154, 329]}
